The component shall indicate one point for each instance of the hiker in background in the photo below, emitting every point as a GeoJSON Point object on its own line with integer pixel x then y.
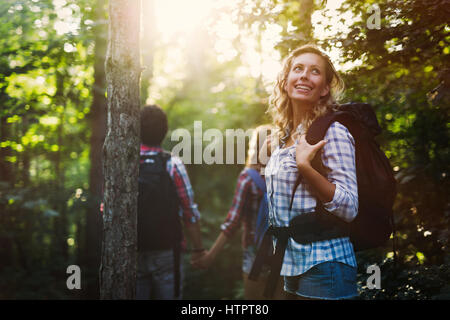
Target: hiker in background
{"type": "Point", "coordinates": [249, 209]}
{"type": "Point", "coordinates": [305, 90]}
{"type": "Point", "coordinates": [165, 199]}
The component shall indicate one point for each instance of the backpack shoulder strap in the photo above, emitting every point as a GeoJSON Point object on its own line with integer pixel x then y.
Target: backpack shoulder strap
{"type": "Point", "coordinates": [319, 127]}
{"type": "Point", "coordinates": [165, 155]}
{"type": "Point", "coordinates": [257, 179]}
{"type": "Point", "coordinates": [316, 133]}
{"type": "Point", "coordinates": [358, 118]}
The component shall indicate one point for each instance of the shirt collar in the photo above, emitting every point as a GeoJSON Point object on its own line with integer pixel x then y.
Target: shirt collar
{"type": "Point", "coordinates": [287, 133]}
{"type": "Point", "coordinates": [145, 148]}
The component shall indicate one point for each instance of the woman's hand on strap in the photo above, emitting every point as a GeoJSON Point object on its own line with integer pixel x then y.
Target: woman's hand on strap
{"type": "Point", "coordinates": [305, 152]}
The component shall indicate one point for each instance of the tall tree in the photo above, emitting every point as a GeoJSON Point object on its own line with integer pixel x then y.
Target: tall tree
{"type": "Point", "coordinates": [305, 33]}
{"type": "Point", "coordinates": [121, 152]}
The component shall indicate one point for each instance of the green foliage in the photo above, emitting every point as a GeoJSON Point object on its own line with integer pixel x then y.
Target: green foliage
{"type": "Point", "coordinates": [403, 62]}
{"type": "Point", "coordinates": [409, 280]}
{"type": "Point", "coordinates": [44, 146]}
{"type": "Point", "coordinates": [46, 90]}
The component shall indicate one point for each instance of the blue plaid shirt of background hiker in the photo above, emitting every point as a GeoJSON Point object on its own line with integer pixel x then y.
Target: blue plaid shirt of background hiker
{"type": "Point", "coordinates": [281, 172]}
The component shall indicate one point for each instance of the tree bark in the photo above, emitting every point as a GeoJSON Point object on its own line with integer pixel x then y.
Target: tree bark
{"type": "Point", "coordinates": [59, 204]}
{"type": "Point", "coordinates": [121, 152]}
{"type": "Point", "coordinates": [306, 29]}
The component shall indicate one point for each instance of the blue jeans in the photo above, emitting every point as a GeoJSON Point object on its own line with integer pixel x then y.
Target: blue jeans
{"type": "Point", "coordinates": [155, 275]}
{"type": "Point", "coordinates": [328, 280]}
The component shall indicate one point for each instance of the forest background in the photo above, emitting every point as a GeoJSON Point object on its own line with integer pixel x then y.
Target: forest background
{"type": "Point", "coordinates": [215, 62]}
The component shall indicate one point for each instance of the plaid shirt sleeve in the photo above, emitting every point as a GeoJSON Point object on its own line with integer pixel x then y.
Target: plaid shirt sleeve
{"type": "Point", "coordinates": [234, 216]}
{"type": "Point", "coordinates": [339, 155]}
{"type": "Point", "coordinates": [188, 208]}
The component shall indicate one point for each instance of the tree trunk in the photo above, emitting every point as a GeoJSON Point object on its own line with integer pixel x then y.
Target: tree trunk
{"type": "Point", "coordinates": [306, 30]}
{"type": "Point", "coordinates": [60, 224]}
{"type": "Point", "coordinates": [121, 152]}
{"type": "Point", "coordinates": [98, 131]}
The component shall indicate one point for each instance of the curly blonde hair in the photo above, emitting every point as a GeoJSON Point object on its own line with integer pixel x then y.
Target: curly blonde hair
{"type": "Point", "coordinates": [259, 134]}
{"type": "Point", "coordinates": [280, 106]}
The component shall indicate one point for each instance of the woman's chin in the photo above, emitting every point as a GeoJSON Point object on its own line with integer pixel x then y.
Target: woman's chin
{"type": "Point", "coordinates": [304, 99]}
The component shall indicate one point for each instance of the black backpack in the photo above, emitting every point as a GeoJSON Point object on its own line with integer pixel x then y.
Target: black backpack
{"type": "Point", "coordinates": [158, 222]}
{"type": "Point", "coordinates": [374, 223]}
{"type": "Point", "coordinates": [159, 225]}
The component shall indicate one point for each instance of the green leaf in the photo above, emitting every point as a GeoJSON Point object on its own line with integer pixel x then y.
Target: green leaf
{"type": "Point", "coordinates": [421, 257]}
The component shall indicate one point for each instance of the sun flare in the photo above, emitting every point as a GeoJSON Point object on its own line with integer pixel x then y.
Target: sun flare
{"type": "Point", "coordinates": [193, 27]}
{"type": "Point", "coordinates": [181, 16]}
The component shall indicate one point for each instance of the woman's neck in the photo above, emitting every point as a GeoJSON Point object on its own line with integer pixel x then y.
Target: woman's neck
{"type": "Point", "coordinates": [299, 112]}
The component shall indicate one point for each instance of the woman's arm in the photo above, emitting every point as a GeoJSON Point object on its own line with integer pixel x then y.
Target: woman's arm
{"type": "Point", "coordinates": [338, 193]}
{"type": "Point", "coordinates": [208, 258]}
{"type": "Point", "coordinates": [323, 189]}
{"type": "Point", "coordinates": [305, 152]}
{"type": "Point", "coordinates": [232, 221]}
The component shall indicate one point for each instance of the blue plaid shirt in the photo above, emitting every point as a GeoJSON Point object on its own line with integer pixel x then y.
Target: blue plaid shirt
{"type": "Point", "coordinates": [281, 172]}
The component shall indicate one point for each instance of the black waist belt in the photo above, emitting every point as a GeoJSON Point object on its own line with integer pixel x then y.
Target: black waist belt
{"type": "Point", "coordinates": [304, 229]}
{"type": "Point", "coordinates": [274, 261]}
